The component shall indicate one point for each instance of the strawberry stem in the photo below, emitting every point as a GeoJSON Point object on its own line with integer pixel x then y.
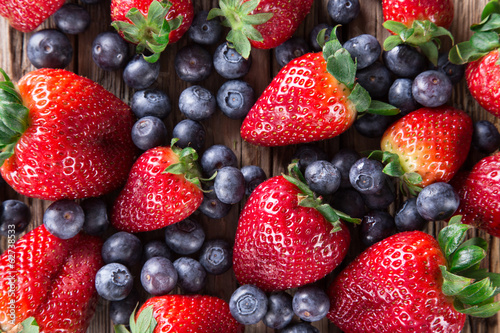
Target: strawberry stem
{"type": "Point", "coordinates": [187, 165]}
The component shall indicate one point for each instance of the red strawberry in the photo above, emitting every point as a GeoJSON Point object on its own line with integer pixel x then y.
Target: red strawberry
{"type": "Point", "coordinates": [410, 283]}
{"type": "Point", "coordinates": [53, 279]}
{"type": "Point", "coordinates": [262, 24]}
{"type": "Point", "coordinates": [432, 142]}
{"type": "Point", "coordinates": [283, 241]}
{"type": "Point", "coordinates": [70, 138]}
{"type": "Point", "coordinates": [162, 189]}
{"type": "Point", "coordinates": [439, 12]}
{"type": "Point", "coordinates": [183, 313]}
{"type": "Point", "coordinates": [479, 195]}
{"type": "Point", "coordinates": [26, 15]}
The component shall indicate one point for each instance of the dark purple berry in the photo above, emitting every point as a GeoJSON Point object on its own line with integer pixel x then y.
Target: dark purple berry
{"type": "Point", "coordinates": [185, 237]}
{"type": "Point", "coordinates": [254, 175]}
{"type": "Point", "coordinates": [381, 199]}
{"type": "Point", "coordinates": [216, 157]}
{"type": "Point", "coordinates": [229, 185]}
{"type": "Point", "coordinates": [110, 51]}
{"type": "Point", "coordinates": [300, 328]}
{"type": "Point", "coordinates": [366, 176]}
{"type": "Point", "coordinates": [197, 103]}
{"type": "Point", "coordinates": [310, 303]}
{"type": "Point", "coordinates": [72, 19]}
{"type": "Point", "coordinates": [203, 31]}
{"type": "Point", "coordinates": [431, 88]}
{"type": "Point", "coordinates": [120, 311]}
{"type": "Point", "coordinates": [96, 216]}
{"type": "Point", "coordinates": [307, 154]}
{"type": "Point", "coordinates": [248, 304]}
{"type": "Point", "coordinates": [122, 247]}
{"type": "Point", "coordinates": [156, 248]}
{"type": "Point", "coordinates": [114, 282]}
{"type": "Point", "coordinates": [190, 134]}
{"type": "Point", "coordinates": [313, 35]}
{"type": "Point", "coordinates": [150, 102]}
{"type": "Point", "coordinates": [229, 63]}
{"type": "Point", "coordinates": [140, 74]}
{"type": "Point", "coordinates": [279, 311]}
{"type": "Point", "coordinates": [158, 276]}
{"type": "Point", "coordinates": [343, 11]}
{"type": "Point", "coordinates": [343, 161]}
{"type": "Point", "coordinates": [364, 48]}
{"type": "Point", "coordinates": [485, 137]}
{"type": "Point", "coordinates": [292, 48]}
{"type": "Point", "coordinates": [375, 226]}
{"type": "Point", "coordinates": [376, 79]}
{"type": "Point", "coordinates": [192, 277]}
{"type": "Point", "coordinates": [322, 177]}
{"type": "Point", "coordinates": [454, 72]}
{"type": "Point", "coordinates": [149, 132]}
{"type": "Point", "coordinates": [404, 61]}
{"type": "Point", "coordinates": [400, 96]}
{"type": "Point", "coordinates": [49, 48]}
{"type": "Point", "coordinates": [193, 63]}
{"type": "Point", "coordinates": [213, 207]}
{"type": "Point", "coordinates": [437, 201]}
{"type": "Point", "coordinates": [216, 256]}
{"type": "Point", "coordinates": [15, 216]}
{"type": "Point", "coordinates": [349, 201]}
{"type": "Point", "coordinates": [64, 218]}
{"type": "Point", "coordinates": [372, 125]}
{"type": "Point", "coordinates": [235, 98]}
{"type": "Point", "coordinates": [407, 217]}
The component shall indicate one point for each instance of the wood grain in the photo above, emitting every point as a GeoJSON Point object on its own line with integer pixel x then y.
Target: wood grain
{"type": "Point", "coordinates": [222, 130]}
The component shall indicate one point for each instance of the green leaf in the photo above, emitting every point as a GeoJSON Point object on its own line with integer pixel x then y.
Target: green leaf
{"type": "Point", "coordinates": [175, 23]}
{"type": "Point", "coordinates": [175, 169]}
{"type": "Point", "coordinates": [257, 19]}
{"type": "Point", "coordinates": [333, 44]}
{"type": "Point", "coordinates": [328, 212]}
{"type": "Point", "coordinates": [482, 311]}
{"type": "Point", "coordinates": [252, 33]}
{"type": "Point", "coordinates": [391, 42]}
{"type": "Point", "coordinates": [239, 42]}
{"type": "Point", "coordinates": [452, 283]}
{"type": "Point", "coordinates": [360, 97]}
{"type": "Point", "coordinates": [476, 241]}
{"type": "Point", "coordinates": [476, 293]}
{"type": "Point", "coordinates": [465, 257]}
{"type": "Point", "coordinates": [451, 236]}
{"type": "Point", "coordinates": [136, 16]}
{"type": "Point", "coordinates": [145, 322]}
{"type": "Point", "coordinates": [394, 169]}
{"type": "Point", "coordinates": [491, 7]}
{"type": "Point", "coordinates": [214, 12]}
{"type": "Point", "coordinates": [381, 108]}
{"type": "Point", "coordinates": [406, 34]}
{"type": "Point", "coordinates": [342, 67]}
{"type": "Point", "coordinates": [121, 329]}
{"type": "Point", "coordinates": [464, 52]}
{"type": "Point", "coordinates": [485, 41]}
{"type": "Point", "coordinates": [394, 26]}
{"type": "Point", "coordinates": [302, 187]}
{"type": "Point", "coordinates": [130, 31]}
{"type": "Point", "coordinates": [480, 274]}
{"type": "Point", "coordinates": [30, 325]}
{"type": "Point", "coordinates": [249, 6]}
{"type": "Point", "coordinates": [157, 11]}
{"type": "Point", "coordinates": [413, 178]}
{"type": "Point", "coordinates": [490, 23]}
{"type": "Point", "coordinates": [456, 219]}
{"type": "Point", "coordinates": [430, 50]}
{"type": "Point", "coordinates": [346, 217]}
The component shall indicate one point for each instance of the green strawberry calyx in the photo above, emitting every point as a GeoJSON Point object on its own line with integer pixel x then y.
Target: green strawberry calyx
{"type": "Point", "coordinates": [145, 322]}
{"type": "Point", "coordinates": [237, 16]}
{"type": "Point", "coordinates": [340, 64]}
{"type": "Point", "coordinates": [422, 34]}
{"type": "Point", "coordinates": [472, 288]}
{"type": "Point", "coordinates": [308, 198]}
{"type": "Point", "coordinates": [150, 32]}
{"type": "Point", "coordinates": [187, 165]}
{"type": "Point", "coordinates": [14, 117]}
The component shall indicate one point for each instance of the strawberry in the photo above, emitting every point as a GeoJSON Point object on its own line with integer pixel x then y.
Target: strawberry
{"type": "Point", "coordinates": [479, 194]}
{"type": "Point", "coordinates": [184, 313]}
{"type": "Point", "coordinates": [151, 24]}
{"type": "Point", "coordinates": [162, 188]}
{"type": "Point", "coordinates": [286, 237]}
{"type": "Point", "coordinates": [65, 136]}
{"type": "Point", "coordinates": [411, 283]}
{"type": "Point", "coordinates": [430, 143]}
{"type": "Point", "coordinates": [27, 15]}
{"type": "Point", "coordinates": [53, 279]}
{"type": "Point", "coordinates": [262, 24]}
{"type": "Point", "coordinates": [310, 99]}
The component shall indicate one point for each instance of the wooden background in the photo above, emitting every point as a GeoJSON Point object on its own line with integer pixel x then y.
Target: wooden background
{"type": "Point", "coordinates": [222, 130]}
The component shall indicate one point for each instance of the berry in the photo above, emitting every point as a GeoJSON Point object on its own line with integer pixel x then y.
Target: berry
{"type": "Point", "coordinates": [300, 328]}
{"type": "Point", "coordinates": [203, 31]}
{"type": "Point", "coordinates": [375, 226]}
{"type": "Point", "coordinates": [366, 176]}
{"type": "Point", "coordinates": [229, 185]}
{"type": "Point", "coordinates": [158, 276]}
{"type": "Point", "coordinates": [114, 282]}
{"type": "Point", "coordinates": [313, 35]}
{"type": "Point", "coordinates": [185, 237]}
{"type": "Point", "coordinates": [307, 154]}
{"type": "Point", "coordinates": [193, 63]}
{"type": "Point", "coordinates": [407, 217]}
{"type": "Point", "coordinates": [376, 79]}
{"type": "Point", "coordinates": [96, 216]}
{"type": "Point", "coordinates": [400, 96]}
{"type": "Point", "coordinates": [343, 161]}
{"type": "Point", "coordinates": [140, 74]}
{"type": "Point", "coordinates": [404, 61]}
{"type": "Point", "coordinates": [72, 19]}
{"type": "Point", "coordinates": [372, 125]}
{"type": "Point", "coordinates": [293, 48]}
{"type": "Point", "coordinates": [431, 88]}
{"type": "Point", "coordinates": [253, 175]}
{"type": "Point", "coordinates": [485, 137]}
{"type": "Point", "coordinates": [454, 72]}
{"type": "Point", "coordinates": [364, 48]}
{"type": "Point", "coordinates": [248, 304]}
{"type": "Point", "coordinates": [216, 256]}
{"type": "Point", "coordinates": [322, 177]}
{"type": "Point", "coordinates": [343, 11]}
{"type": "Point", "coordinates": [229, 63]}
{"type": "Point", "coordinates": [437, 201]}
{"type": "Point", "coordinates": [235, 98]}
{"type": "Point", "coordinates": [156, 248]}
{"type": "Point", "coordinates": [197, 103]}
{"type": "Point", "coordinates": [213, 207]}
{"type": "Point", "coordinates": [15, 216]}
{"type": "Point", "coordinates": [279, 310]}
{"type": "Point", "coordinates": [120, 311]}
{"type": "Point", "coordinates": [190, 134]}
{"type": "Point", "coordinates": [64, 218]}
{"type": "Point", "coordinates": [349, 201]}
{"type": "Point", "coordinates": [381, 199]}
{"type": "Point", "coordinates": [192, 277]}
{"type": "Point", "coordinates": [216, 157]}
{"type": "Point", "coordinates": [310, 303]}
{"type": "Point", "coordinates": [151, 102]}
{"type": "Point", "coordinates": [122, 247]}
{"type": "Point", "coordinates": [49, 48]}
{"type": "Point", "coordinates": [149, 132]}
{"type": "Point", "coordinates": [110, 51]}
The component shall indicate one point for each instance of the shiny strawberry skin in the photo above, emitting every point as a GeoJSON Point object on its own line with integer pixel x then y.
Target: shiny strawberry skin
{"type": "Point", "coordinates": [27, 15]}
{"type": "Point", "coordinates": [120, 8]}
{"type": "Point", "coordinates": [303, 103]}
{"type": "Point", "coordinates": [439, 12]}
{"type": "Point", "coordinates": [433, 142]}
{"type": "Point", "coordinates": [192, 313]}
{"type": "Point", "coordinates": [394, 286]}
{"type": "Point", "coordinates": [280, 245]}
{"type": "Point", "coordinates": [79, 140]}
{"type": "Point", "coordinates": [483, 81]}
{"type": "Point", "coordinates": [54, 281]}
{"type": "Point", "coordinates": [152, 199]}
{"type": "Point", "coordinates": [479, 194]}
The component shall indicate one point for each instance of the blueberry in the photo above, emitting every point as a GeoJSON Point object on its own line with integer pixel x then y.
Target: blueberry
{"type": "Point", "coordinates": [349, 201]}
{"type": "Point", "coordinates": [404, 61]}
{"type": "Point", "coordinates": [407, 217]}
{"type": "Point", "coordinates": [381, 199]}
{"type": "Point", "coordinates": [485, 137]}
{"type": "Point", "coordinates": [366, 176]}
{"type": "Point", "coordinates": [216, 157]}
{"type": "Point", "coordinates": [203, 31]}
{"type": "Point", "coordinates": [114, 282]}
{"type": "Point", "coordinates": [322, 177]}
{"type": "Point", "coordinates": [150, 102]}
{"type": "Point", "coordinates": [149, 132]}
{"type": "Point", "coordinates": [307, 154]}
{"type": "Point", "coordinates": [279, 311]}
{"type": "Point", "coordinates": [376, 79]}
{"type": "Point", "coordinates": [49, 48]}
{"type": "Point", "coordinates": [120, 311]}
{"type": "Point", "coordinates": [216, 256]}
{"type": "Point", "coordinates": [431, 88]}
{"type": "Point", "coordinates": [290, 49]}
{"type": "Point", "coordinates": [156, 248]}
{"type": "Point", "coordinates": [158, 276]}
{"type": "Point", "coordinates": [140, 74]}
{"type": "Point", "coordinates": [437, 201]}
{"type": "Point", "coordinates": [15, 216]}
{"type": "Point", "coordinates": [96, 216]}
{"type": "Point", "coordinates": [190, 134]}
{"type": "Point", "coordinates": [372, 125]}
{"type": "Point", "coordinates": [343, 11]}
{"type": "Point", "coordinates": [248, 304]}
{"type": "Point", "coordinates": [72, 19]}
{"type": "Point", "coordinates": [400, 96]}
{"type": "Point", "coordinates": [300, 328]}
{"type": "Point", "coordinates": [110, 51]}
{"type": "Point", "coordinates": [185, 237]}
{"type": "Point", "coordinates": [229, 63]}
{"type": "Point", "coordinates": [365, 48]}
{"type": "Point", "coordinates": [192, 277]}
{"type": "Point", "coordinates": [375, 226]}
{"type": "Point", "coordinates": [122, 247]}
{"type": "Point", "coordinates": [64, 218]}
{"type": "Point", "coordinates": [193, 63]}
{"type": "Point", "coordinates": [454, 72]}
{"type": "Point", "coordinates": [254, 175]}
{"type": "Point", "coordinates": [197, 103]}
{"type": "Point", "coordinates": [213, 207]}
{"type": "Point", "coordinates": [310, 303]}
{"type": "Point", "coordinates": [91, 1]}
{"type": "Point", "coordinates": [343, 161]}
{"type": "Point", "coordinates": [235, 98]}
{"type": "Point", "coordinates": [313, 35]}
{"type": "Point", "coordinates": [229, 185]}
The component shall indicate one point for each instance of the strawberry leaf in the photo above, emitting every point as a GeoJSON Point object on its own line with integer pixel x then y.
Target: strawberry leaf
{"type": "Point", "coordinates": [30, 325]}
{"type": "Point", "coordinates": [120, 329]}
{"type": "Point", "coordinates": [395, 26]}
{"type": "Point", "coordinates": [491, 7]}
{"type": "Point", "coordinates": [239, 42]}
{"type": "Point", "coordinates": [333, 44]}
{"type": "Point", "coordinates": [482, 311]}
{"type": "Point", "coordinates": [391, 42]}
{"type": "Point", "coordinates": [490, 23]}
{"type": "Point", "coordinates": [451, 236]}
{"type": "Point", "coordinates": [360, 97]}
{"type": "Point", "coordinates": [464, 52]}
{"type": "Point", "coordinates": [476, 293]}
{"type": "Point", "coordinates": [430, 50]}
{"type": "Point", "coordinates": [145, 322]}
{"type": "Point", "coordinates": [342, 67]}
{"type": "Point", "coordinates": [381, 108]}
{"type": "Point", "coordinates": [485, 41]}
{"type": "Point", "coordinates": [466, 257]}
{"type": "Point", "coordinates": [452, 283]}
